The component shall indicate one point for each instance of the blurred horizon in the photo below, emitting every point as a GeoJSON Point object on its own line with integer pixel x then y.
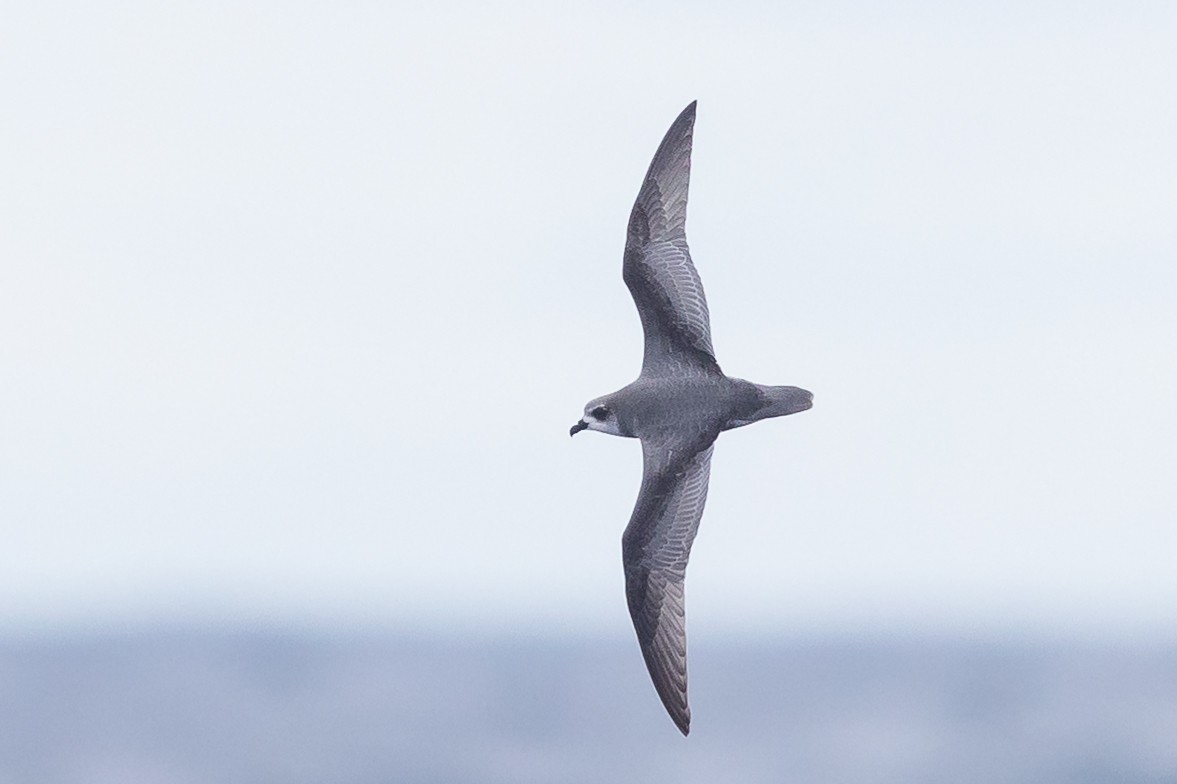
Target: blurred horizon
{"type": "Point", "coordinates": [615, 627]}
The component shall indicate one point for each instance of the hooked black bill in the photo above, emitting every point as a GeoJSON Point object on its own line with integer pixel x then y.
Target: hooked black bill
{"type": "Point", "coordinates": [581, 425]}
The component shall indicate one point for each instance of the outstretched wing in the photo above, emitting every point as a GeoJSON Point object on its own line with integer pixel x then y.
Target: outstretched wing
{"type": "Point", "coordinates": [655, 549]}
{"type": "Point", "coordinates": [658, 268]}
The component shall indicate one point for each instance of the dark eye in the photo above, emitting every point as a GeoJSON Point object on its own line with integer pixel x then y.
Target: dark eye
{"type": "Point", "coordinates": [600, 413]}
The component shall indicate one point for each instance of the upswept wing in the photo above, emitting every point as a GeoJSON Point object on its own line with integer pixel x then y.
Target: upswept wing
{"type": "Point", "coordinates": [658, 268]}
{"type": "Point", "coordinates": [655, 549]}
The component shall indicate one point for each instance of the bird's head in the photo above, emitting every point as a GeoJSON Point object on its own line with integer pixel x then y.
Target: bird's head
{"type": "Point", "coordinates": [598, 415]}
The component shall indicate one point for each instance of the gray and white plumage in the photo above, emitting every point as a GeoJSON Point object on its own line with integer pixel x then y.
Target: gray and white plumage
{"type": "Point", "coordinates": [678, 405]}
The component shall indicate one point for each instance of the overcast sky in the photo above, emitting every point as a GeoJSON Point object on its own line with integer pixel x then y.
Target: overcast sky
{"type": "Point", "coordinates": [298, 302]}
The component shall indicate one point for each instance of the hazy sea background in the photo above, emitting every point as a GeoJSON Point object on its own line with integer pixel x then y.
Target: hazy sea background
{"type": "Point", "coordinates": [181, 706]}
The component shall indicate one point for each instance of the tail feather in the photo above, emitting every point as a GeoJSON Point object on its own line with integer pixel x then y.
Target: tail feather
{"type": "Point", "coordinates": [779, 401]}
{"type": "Point", "coordinates": [762, 402]}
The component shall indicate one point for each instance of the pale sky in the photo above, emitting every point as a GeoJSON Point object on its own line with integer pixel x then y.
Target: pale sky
{"type": "Point", "coordinates": [298, 302]}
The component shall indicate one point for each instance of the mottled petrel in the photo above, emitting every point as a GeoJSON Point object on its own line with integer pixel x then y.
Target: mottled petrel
{"type": "Point", "coordinates": [679, 404]}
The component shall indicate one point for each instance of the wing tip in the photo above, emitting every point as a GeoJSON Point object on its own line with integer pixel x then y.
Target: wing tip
{"type": "Point", "coordinates": [679, 136]}
{"type": "Point", "coordinates": [671, 691]}
{"type": "Point", "coordinates": [680, 712]}
{"type": "Point", "coordinates": [687, 117]}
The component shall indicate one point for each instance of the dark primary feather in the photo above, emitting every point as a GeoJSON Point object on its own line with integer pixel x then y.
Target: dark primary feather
{"type": "Point", "coordinates": [655, 549]}
{"type": "Point", "coordinates": [658, 268]}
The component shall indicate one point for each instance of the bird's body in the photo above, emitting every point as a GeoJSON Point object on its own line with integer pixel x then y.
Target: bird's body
{"type": "Point", "coordinates": [641, 407]}
{"type": "Point", "coordinates": [677, 407]}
